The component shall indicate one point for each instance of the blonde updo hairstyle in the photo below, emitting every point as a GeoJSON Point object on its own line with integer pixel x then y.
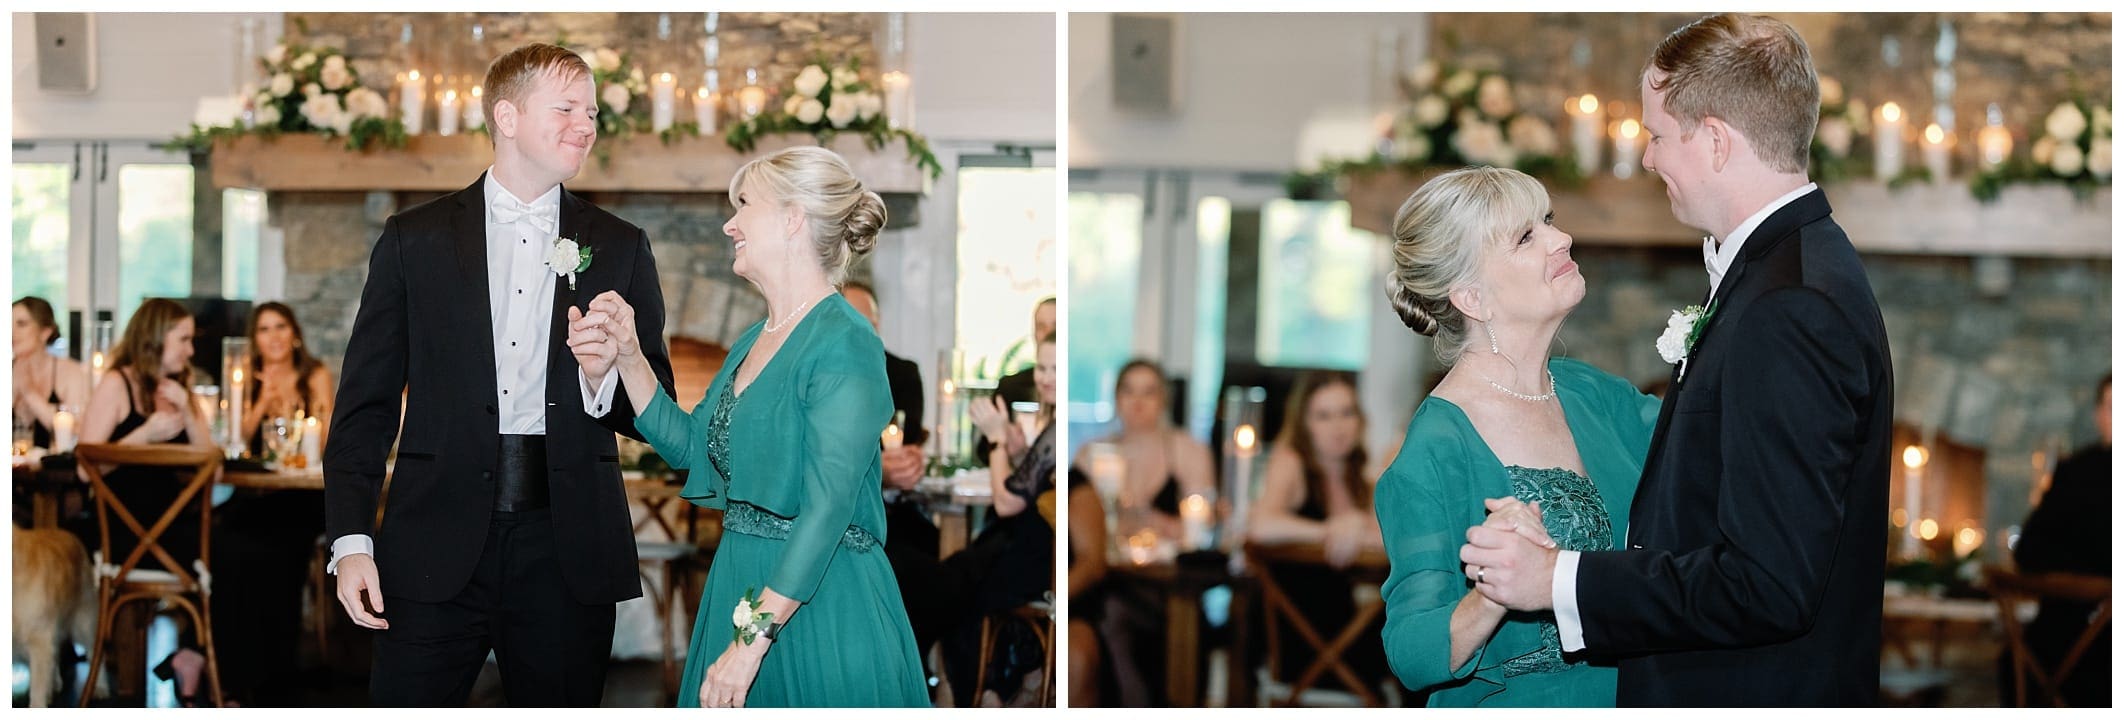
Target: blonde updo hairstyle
{"type": "Point", "coordinates": [1439, 233]}
{"type": "Point", "coordinates": [845, 218]}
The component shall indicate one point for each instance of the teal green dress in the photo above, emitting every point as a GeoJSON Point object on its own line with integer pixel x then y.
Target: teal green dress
{"type": "Point", "coordinates": [1433, 493]}
{"type": "Point", "coordinates": [793, 463]}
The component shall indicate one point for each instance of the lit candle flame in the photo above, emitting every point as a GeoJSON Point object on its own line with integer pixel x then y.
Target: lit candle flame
{"type": "Point", "coordinates": [1934, 135]}
{"type": "Point", "coordinates": [1928, 528]}
{"type": "Point", "coordinates": [1913, 457]}
{"type": "Point", "coordinates": [1630, 128]}
{"type": "Point", "coordinates": [1587, 104]}
{"type": "Point", "coordinates": [1891, 112]}
{"type": "Point", "coordinates": [1244, 438]}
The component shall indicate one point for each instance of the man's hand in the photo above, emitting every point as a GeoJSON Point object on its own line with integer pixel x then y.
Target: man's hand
{"type": "Point", "coordinates": [1508, 568]}
{"type": "Point", "coordinates": [903, 466]}
{"type": "Point", "coordinates": [618, 319]}
{"type": "Point", "coordinates": [356, 574]}
{"type": "Point", "coordinates": [592, 345]}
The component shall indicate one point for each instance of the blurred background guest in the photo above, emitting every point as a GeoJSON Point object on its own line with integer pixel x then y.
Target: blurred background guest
{"type": "Point", "coordinates": [285, 379]}
{"type": "Point", "coordinates": [2068, 532]}
{"type": "Point", "coordinates": [1087, 579]}
{"type": "Point", "coordinates": [44, 382]}
{"type": "Point", "coordinates": [1017, 385]}
{"type": "Point", "coordinates": [1318, 489]}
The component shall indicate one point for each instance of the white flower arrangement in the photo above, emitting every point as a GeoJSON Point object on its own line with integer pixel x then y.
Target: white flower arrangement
{"type": "Point", "coordinates": [826, 98]}
{"type": "Point", "coordinates": [2074, 148]}
{"type": "Point", "coordinates": [1470, 117]}
{"type": "Point", "coordinates": [308, 89]}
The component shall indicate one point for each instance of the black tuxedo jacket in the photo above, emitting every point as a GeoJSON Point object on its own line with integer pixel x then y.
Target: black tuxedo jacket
{"type": "Point", "coordinates": [424, 332]}
{"type": "Point", "coordinates": [1757, 536]}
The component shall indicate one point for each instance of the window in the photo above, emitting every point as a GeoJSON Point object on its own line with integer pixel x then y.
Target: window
{"type": "Point", "coordinates": [1006, 261]}
{"type": "Point", "coordinates": [1317, 286]}
{"type": "Point", "coordinates": [243, 219]}
{"type": "Point", "coordinates": [1106, 243]}
{"type": "Point", "coordinates": [42, 220]}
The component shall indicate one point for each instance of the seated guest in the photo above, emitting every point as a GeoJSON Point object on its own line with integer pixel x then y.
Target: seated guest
{"type": "Point", "coordinates": [1317, 489]}
{"type": "Point", "coordinates": [44, 382]}
{"type": "Point", "coordinates": [1017, 384]}
{"type": "Point", "coordinates": [1013, 561]}
{"type": "Point", "coordinates": [285, 378]}
{"type": "Point", "coordinates": [1087, 578]}
{"type": "Point", "coordinates": [2069, 532]}
{"type": "Point", "coordinates": [1162, 464]}
{"type": "Point", "coordinates": [150, 402]}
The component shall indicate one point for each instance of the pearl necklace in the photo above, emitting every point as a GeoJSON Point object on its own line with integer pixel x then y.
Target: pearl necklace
{"type": "Point", "coordinates": [1551, 395]}
{"type": "Point", "coordinates": [776, 327]}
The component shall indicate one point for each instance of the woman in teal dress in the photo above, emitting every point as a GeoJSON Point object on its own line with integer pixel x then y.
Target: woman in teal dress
{"type": "Point", "coordinates": [1510, 437]}
{"type": "Point", "coordinates": [800, 608]}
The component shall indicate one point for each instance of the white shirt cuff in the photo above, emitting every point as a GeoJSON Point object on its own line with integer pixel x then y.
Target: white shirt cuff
{"type": "Point", "coordinates": [349, 545]}
{"type": "Point", "coordinates": [600, 402]}
{"type": "Point", "coordinates": [1563, 597]}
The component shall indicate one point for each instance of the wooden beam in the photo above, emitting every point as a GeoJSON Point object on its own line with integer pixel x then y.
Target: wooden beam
{"type": "Point", "coordinates": [1920, 219]}
{"type": "Point", "coordinates": [439, 164]}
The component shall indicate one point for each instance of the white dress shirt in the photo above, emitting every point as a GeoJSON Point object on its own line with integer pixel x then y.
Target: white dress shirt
{"type": "Point", "coordinates": [520, 287]}
{"type": "Point", "coordinates": [1718, 258]}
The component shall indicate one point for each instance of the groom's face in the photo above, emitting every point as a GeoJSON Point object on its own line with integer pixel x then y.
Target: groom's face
{"type": "Point", "coordinates": [556, 124]}
{"type": "Point", "coordinates": [1684, 164]}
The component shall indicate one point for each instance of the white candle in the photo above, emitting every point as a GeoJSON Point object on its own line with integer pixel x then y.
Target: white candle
{"type": "Point", "coordinates": [899, 99]}
{"type": "Point", "coordinates": [409, 102]}
{"type": "Point", "coordinates": [663, 94]}
{"type": "Point", "coordinates": [1994, 143]}
{"type": "Point", "coordinates": [1935, 149]}
{"type": "Point", "coordinates": [948, 435]}
{"type": "Point", "coordinates": [1195, 518]}
{"type": "Point", "coordinates": [475, 111]}
{"type": "Point", "coordinates": [704, 110]}
{"type": "Point", "coordinates": [311, 443]}
{"type": "Point", "coordinates": [62, 431]}
{"type": "Point", "coordinates": [1626, 140]}
{"type": "Point", "coordinates": [234, 422]}
{"type": "Point", "coordinates": [1888, 142]}
{"type": "Point", "coordinates": [1585, 132]}
{"type": "Point", "coordinates": [893, 437]}
{"type": "Point", "coordinates": [447, 113]}
{"type": "Point", "coordinates": [1913, 496]}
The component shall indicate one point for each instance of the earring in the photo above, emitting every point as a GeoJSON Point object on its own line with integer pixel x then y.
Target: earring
{"type": "Point", "coordinates": [1486, 327]}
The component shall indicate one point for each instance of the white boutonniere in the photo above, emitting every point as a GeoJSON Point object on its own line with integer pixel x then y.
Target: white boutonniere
{"type": "Point", "coordinates": [1683, 329]}
{"type": "Point", "coordinates": [568, 258]}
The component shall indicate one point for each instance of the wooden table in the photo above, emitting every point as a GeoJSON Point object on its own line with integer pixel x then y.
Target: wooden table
{"type": "Point", "coordinates": [291, 479]}
{"type": "Point", "coordinates": [954, 512]}
{"type": "Point", "coordinates": [47, 489]}
{"type": "Point", "coordinates": [1370, 566]}
{"type": "Point", "coordinates": [1183, 582]}
{"type": "Point", "coordinates": [1902, 612]}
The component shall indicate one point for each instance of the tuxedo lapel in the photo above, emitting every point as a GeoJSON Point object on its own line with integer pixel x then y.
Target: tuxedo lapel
{"type": "Point", "coordinates": [561, 391]}
{"type": "Point", "coordinates": [468, 236]}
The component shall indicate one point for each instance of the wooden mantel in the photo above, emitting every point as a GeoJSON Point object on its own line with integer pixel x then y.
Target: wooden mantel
{"type": "Point", "coordinates": [2026, 221]}
{"type": "Point", "coordinates": [440, 164]}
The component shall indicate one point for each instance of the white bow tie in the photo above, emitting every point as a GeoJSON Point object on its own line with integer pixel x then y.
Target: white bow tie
{"type": "Point", "coordinates": [506, 210]}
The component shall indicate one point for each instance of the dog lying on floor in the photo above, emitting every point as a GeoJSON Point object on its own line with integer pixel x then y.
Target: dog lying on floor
{"type": "Point", "coordinates": [55, 602]}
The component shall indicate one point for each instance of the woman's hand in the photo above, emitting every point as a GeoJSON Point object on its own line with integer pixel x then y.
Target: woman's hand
{"type": "Point", "coordinates": [1508, 513]}
{"type": "Point", "coordinates": [162, 425]}
{"type": "Point", "coordinates": [989, 415]}
{"type": "Point", "coordinates": [617, 317]}
{"type": "Point", "coordinates": [172, 394]}
{"type": "Point", "coordinates": [1346, 533]}
{"type": "Point", "coordinates": [726, 682]}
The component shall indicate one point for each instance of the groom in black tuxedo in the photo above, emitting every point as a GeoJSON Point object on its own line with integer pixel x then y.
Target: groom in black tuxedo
{"type": "Point", "coordinates": [506, 526]}
{"type": "Point", "coordinates": [1757, 535]}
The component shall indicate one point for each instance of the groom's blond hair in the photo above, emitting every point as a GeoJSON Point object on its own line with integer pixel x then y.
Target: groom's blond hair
{"type": "Point", "coordinates": [1751, 71]}
{"type": "Point", "coordinates": [511, 76]}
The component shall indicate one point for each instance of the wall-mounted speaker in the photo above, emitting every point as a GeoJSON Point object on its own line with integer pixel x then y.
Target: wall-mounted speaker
{"type": "Point", "coordinates": [66, 52]}
{"type": "Point", "coordinates": [1143, 62]}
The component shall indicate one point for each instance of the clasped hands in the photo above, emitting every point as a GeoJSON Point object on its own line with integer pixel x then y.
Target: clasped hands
{"type": "Point", "coordinates": [602, 336]}
{"type": "Point", "coordinates": [1510, 556]}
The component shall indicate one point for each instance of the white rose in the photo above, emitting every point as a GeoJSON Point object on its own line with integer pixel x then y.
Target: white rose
{"type": "Point", "coordinates": [1532, 135]}
{"type": "Point", "coordinates": [616, 97]}
{"type": "Point", "coordinates": [1482, 143]}
{"type": "Point", "coordinates": [311, 89]}
{"type": "Point", "coordinates": [277, 55]}
{"type": "Point", "coordinates": [1856, 113]}
{"type": "Point", "coordinates": [565, 257]}
{"type": "Point", "coordinates": [608, 60]}
{"type": "Point", "coordinates": [809, 111]}
{"type": "Point", "coordinates": [1431, 110]}
{"type": "Point", "coordinates": [1424, 74]}
{"type": "Point", "coordinates": [343, 123]}
{"type": "Point", "coordinates": [1460, 83]}
{"type": "Point", "coordinates": [2067, 160]}
{"type": "Point", "coordinates": [1495, 97]}
{"type": "Point", "coordinates": [2098, 159]}
{"type": "Point", "coordinates": [1672, 344]}
{"type": "Point", "coordinates": [366, 103]}
{"type": "Point", "coordinates": [322, 110]}
{"type": "Point", "coordinates": [283, 84]}
{"type": "Point", "coordinates": [1832, 91]}
{"type": "Point", "coordinates": [267, 116]}
{"type": "Point", "coordinates": [2101, 121]}
{"type": "Point", "coordinates": [811, 81]}
{"type": "Point", "coordinates": [866, 105]}
{"type": "Point", "coordinates": [1836, 136]}
{"type": "Point", "coordinates": [2043, 149]}
{"type": "Point", "coordinates": [336, 61]}
{"type": "Point", "coordinates": [305, 61]}
{"type": "Point", "coordinates": [335, 78]}
{"type": "Point", "coordinates": [842, 111]}
{"type": "Point", "coordinates": [2065, 123]}
{"type": "Point", "coordinates": [843, 77]}
{"type": "Point", "coordinates": [263, 99]}
{"type": "Point", "coordinates": [1413, 147]}
{"type": "Point", "coordinates": [789, 105]}
{"type": "Point", "coordinates": [741, 616]}
{"type": "Point", "coordinates": [635, 79]}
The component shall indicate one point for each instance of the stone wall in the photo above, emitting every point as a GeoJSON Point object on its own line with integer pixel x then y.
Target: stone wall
{"type": "Point", "coordinates": [777, 43]}
{"type": "Point", "coordinates": [2026, 62]}
{"type": "Point", "coordinates": [2009, 368]}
